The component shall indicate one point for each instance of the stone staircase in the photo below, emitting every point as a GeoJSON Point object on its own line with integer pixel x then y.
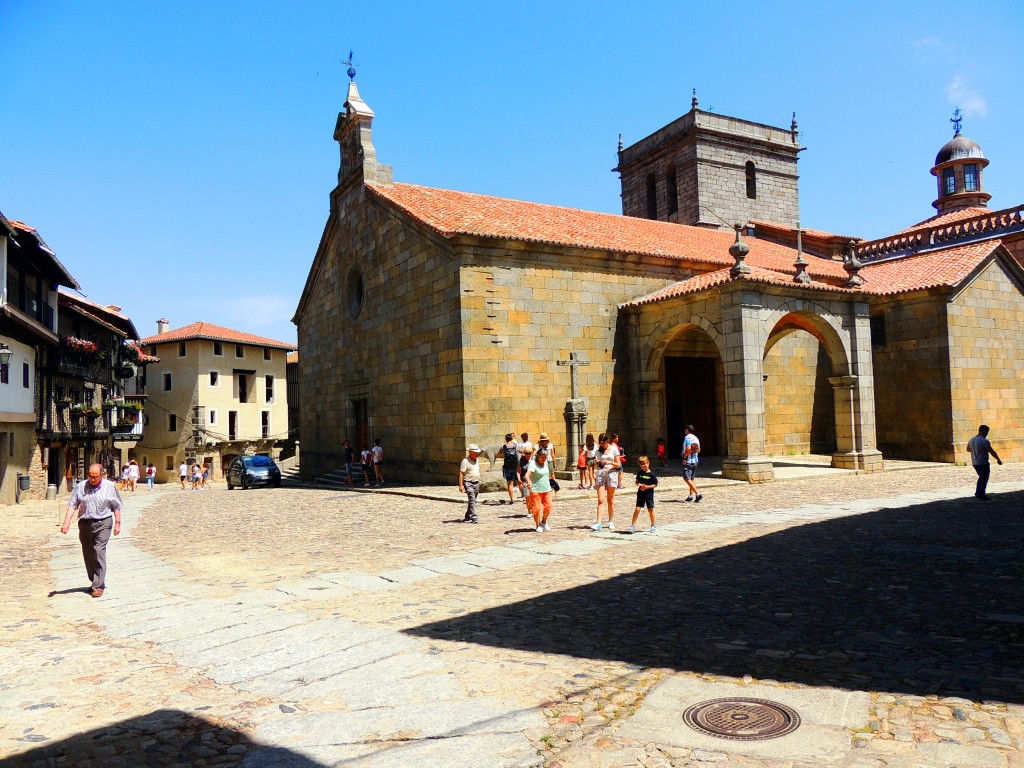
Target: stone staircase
{"type": "Point", "coordinates": [336, 479]}
{"type": "Point", "coordinates": [290, 475]}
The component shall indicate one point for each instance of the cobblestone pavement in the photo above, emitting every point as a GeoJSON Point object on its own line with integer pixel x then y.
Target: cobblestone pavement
{"type": "Point", "coordinates": [308, 627]}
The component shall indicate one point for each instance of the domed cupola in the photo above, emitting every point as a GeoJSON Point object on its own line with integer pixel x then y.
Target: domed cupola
{"type": "Point", "coordinates": [959, 167]}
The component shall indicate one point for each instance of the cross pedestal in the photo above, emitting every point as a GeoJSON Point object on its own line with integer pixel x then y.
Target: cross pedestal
{"type": "Point", "coordinates": [575, 413]}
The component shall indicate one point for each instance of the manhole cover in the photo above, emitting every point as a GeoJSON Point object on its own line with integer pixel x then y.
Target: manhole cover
{"type": "Point", "coordinates": [742, 719]}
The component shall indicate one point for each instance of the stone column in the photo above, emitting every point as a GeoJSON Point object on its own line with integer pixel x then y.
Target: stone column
{"type": "Point", "coordinates": [744, 389]}
{"type": "Point", "coordinates": [576, 411]}
{"type": "Point", "coordinates": [855, 401]}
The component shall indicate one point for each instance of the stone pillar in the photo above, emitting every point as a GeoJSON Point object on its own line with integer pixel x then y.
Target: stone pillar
{"type": "Point", "coordinates": [576, 411]}
{"type": "Point", "coordinates": [855, 401]}
{"type": "Point", "coordinates": [744, 389]}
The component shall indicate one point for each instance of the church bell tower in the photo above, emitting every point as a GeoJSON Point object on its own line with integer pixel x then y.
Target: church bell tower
{"type": "Point", "coordinates": [354, 135]}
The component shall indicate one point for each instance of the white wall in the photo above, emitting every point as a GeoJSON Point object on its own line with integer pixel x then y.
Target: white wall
{"type": "Point", "coordinates": [17, 402]}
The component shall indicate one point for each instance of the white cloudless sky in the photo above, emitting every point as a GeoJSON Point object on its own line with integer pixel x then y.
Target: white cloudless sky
{"type": "Point", "coordinates": [178, 157]}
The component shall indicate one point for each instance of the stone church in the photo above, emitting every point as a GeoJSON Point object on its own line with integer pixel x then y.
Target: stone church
{"type": "Point", "coordinates": [433, 318]}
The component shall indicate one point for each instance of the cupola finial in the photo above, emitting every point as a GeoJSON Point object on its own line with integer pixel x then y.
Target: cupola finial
{"type": "Point", "coordinates": [956, 119]}
{"type": "Point", "coordinates": [693, 101]}
{"type": "Point", "coordinates": [351, 71]}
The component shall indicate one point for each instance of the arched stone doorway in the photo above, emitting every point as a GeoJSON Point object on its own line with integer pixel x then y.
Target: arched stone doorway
{"type": "Point", "coordinates": [799, 401]}
{"type": "Point", "coordinates": [691, 372]}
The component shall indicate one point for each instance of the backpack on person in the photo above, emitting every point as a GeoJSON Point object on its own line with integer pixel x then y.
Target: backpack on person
{"type": "Point", "coordinates": [511, 460]}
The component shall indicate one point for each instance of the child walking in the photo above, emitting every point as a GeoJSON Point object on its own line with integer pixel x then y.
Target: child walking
{"type": "Point", "coordinates": [581, 466]}
{"type": "Point", "coordinates": [662, 454]}
{"type": "Point", "coordinates": [646, 480]}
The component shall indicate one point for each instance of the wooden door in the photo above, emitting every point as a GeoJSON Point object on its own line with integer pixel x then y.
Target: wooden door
{"type": "Point", "coordinates": [691, 398]}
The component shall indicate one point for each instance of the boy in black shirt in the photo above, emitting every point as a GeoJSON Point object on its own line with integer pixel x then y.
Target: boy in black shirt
{"type": "Point", "coordinates": [645, 482]}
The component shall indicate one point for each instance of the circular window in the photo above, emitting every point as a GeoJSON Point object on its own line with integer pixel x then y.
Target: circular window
{"type": "Point", "coordinates": [354, 291]}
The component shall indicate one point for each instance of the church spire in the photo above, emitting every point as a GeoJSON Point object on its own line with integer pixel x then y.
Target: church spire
{"type": "Point", "coordinates": [354, 134]}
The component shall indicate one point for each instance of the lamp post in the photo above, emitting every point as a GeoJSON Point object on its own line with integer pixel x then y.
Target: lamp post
{"type": "Point", "coordinates": [5, 362]}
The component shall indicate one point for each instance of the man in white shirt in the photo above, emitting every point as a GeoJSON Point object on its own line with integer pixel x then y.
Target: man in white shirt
{"type": "Point", "coordinates": [98, 505]}
{"type": "Point", "coordinates": [183, 474]}
{"type": "Point", "coordinates": [980, 448]}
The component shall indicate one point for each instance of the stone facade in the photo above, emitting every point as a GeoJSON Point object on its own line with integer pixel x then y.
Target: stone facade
{"type": "Point", "coordinates": [431, 318]}
{"type": "Point", "coordinates": [986, 321]}
{"type": "Point", "coordinates": [708, 158]}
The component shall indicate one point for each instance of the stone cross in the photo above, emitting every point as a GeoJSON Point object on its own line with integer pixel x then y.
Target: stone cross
{"type": "Point", "coordinates": [574, 362]}
{"type": "Point", "coordinates": [575, 414]}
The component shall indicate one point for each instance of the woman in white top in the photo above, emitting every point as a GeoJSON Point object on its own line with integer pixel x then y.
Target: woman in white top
{"type": "Point", "coordinates": [607, 480]}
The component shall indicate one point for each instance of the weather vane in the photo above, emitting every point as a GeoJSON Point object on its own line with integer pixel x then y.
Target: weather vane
{"type": "Point", "coordinates": [956, 119]}
{"type": "Point", "coordinates": [351, 72]}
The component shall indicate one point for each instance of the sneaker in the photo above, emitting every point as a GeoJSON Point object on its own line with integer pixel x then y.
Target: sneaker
{"type": "Point", "coordinates": [596, 527]}
{"type": "Point", "coordinates": [546, 527]}
{"type": "Point", "coordinates": [653, 529]}
{"type": "Point", "coordinates": [689, 498]}
{"type": "Point", "coordinates": [611, 526]}
{"type": "Point", "coordinates": [631, 529]}
{"type": "Point", "coordinates": [699, 497]}
{"type": "Point", "coordinates": [540, 529]}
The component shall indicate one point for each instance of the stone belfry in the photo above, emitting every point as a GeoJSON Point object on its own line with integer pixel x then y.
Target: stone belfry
{"type": "Point", "coordinates": [354, 135]}
{"type": "Point", "coordinates": [960, 170]}
{"type": "Point", "coordinates": [711, 170]}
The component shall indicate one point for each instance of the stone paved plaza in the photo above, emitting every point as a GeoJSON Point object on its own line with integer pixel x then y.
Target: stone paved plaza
{"type": "Point", "coordinates": [310, 627]}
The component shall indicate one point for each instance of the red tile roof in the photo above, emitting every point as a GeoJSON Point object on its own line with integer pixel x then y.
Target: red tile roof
{"type": "Point", "coordinates": [925, 270]}
{"type": "Point", "coordinates": [947, 218]}
{"type": "Point", "coordinates": [452, 213]}
{"type": "Point", "coordinates": [202, 330]}
{"type": "Point", "coordinates": [814, 233]}
{"type": "Point", "coordinates": [292, 357]}
{"type": "Point", "coordinates": [720, 276]}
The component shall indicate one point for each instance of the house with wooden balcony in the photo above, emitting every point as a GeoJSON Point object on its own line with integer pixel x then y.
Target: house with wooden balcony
{"type": "Point", "coordinates": [30, 275]}
{"type": "Point", "coordinates": [93, 388]}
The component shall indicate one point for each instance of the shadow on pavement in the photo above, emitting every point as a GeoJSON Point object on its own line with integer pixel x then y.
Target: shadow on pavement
{"type": "Point", "coordinates": [922, 600]}
{"type": "Point", "coordinates": [166, 737]}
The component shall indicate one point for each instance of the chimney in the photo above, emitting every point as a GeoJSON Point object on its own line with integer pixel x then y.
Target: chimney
{"type": "Point", "coordinates": [162, 325]}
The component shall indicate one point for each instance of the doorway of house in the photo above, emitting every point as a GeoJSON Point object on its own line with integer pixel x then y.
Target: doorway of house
{"type": "Point", "coordinates": [691, 393]}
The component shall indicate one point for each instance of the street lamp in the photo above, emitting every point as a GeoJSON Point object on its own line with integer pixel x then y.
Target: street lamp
{"type": "Point", "coordinates": [5, 358]}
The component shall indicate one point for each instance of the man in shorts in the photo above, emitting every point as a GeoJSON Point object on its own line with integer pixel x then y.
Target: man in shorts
{"type": "Point", "coordinates": [691, 452]}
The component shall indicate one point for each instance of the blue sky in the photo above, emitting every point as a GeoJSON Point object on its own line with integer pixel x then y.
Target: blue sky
{"type": "Point", "coordinates": [178, 157]}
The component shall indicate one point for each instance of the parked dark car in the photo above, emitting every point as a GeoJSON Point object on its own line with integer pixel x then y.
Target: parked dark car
{"type": "Point", "coordinates": [250, 471]}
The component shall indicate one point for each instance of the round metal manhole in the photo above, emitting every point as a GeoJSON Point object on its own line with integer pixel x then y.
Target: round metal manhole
{"type": "Point", "coordinates": [742, 719]}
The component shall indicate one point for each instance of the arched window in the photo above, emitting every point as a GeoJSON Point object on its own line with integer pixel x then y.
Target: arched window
{"type": "Point", "coordinates": [673, 192]}
{"type": "Point", "coordinates": [652, 197]}
{"type": "Point", "coordinates": [751, 180]}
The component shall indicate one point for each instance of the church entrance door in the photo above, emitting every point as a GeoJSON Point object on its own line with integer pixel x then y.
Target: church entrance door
{"type": "Point", "coordinates": [691, 398]}
{"type": "Point", "coordinates": [360, 412]}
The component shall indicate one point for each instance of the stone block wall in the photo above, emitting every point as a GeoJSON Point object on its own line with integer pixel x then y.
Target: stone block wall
{"type": "Point", "coordinates": [523, 310]}
{"type": "Point", "coordinates": [798, 398]}
{"type": "Point", "coordinates": [400, 351]}
{"type": "Point", "coordinates": [912, 386]}
{"type": "Point", "coordinates": [986, 323]}
{"type": "Point", "coordinates": [709, 153]}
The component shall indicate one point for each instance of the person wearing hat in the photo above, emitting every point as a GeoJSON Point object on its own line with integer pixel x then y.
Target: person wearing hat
{"type": "Point", "coordinates": [544, 444]}
{"type": "Point", "coordinates": [469, 480]}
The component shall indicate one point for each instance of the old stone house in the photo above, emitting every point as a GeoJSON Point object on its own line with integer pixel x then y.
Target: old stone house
{"type": "Point", "coordinates": [432, 318]}
{"type": "Point", "coordinates": [216, 394]}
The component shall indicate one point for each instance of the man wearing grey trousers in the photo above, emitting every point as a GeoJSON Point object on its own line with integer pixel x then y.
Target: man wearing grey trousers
{"type": "Point", "coordinates": [98, 505]}
{"type": "Point", "coordinates": [469, 480]}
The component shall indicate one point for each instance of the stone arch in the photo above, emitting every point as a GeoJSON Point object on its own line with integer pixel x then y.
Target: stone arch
{"type": "Point", "coordinates": [814, 318]}
{"type": "Point", "coordinates": [670, 328]}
